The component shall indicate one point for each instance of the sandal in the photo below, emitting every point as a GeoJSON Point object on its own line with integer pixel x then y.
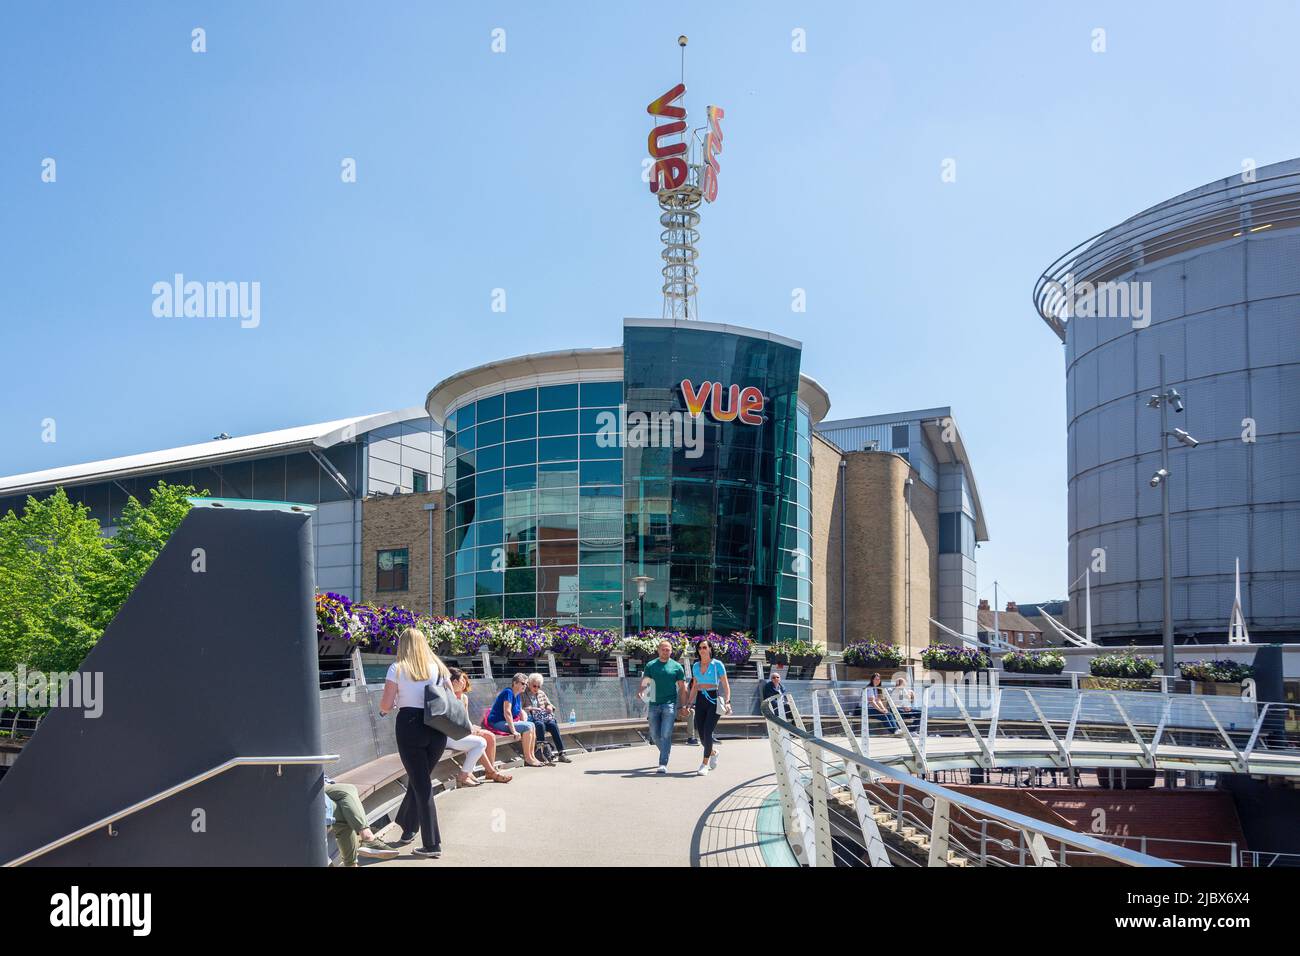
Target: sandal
{"type": "Point", "coordinates": [467, 780]}
{"type": "Point", "coordinates": [497, 777]}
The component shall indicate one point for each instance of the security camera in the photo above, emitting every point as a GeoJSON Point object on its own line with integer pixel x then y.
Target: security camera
{"type": "Point", "coordinates": [1175, 400]}
{"type": "Point", "coordinates": [1158, 477]}
{"type": "Point", "coordinates": [1185, 438]}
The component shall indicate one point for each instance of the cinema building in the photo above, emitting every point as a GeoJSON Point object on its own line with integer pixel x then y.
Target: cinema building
{"type": "Point", "coordinates": [686, 479]}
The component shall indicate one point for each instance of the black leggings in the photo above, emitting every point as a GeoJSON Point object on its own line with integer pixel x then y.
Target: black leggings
{"type": "Point", "coordinates": [706, 718]}
{"type": "Point", "coordinates": [544, 725]}
{"type": "Point", "coordinates": [420, 747]}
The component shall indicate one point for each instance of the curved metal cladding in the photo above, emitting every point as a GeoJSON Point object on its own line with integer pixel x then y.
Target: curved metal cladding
{"type": "Point", "coordinates": [1212, 281]}
{"type": "Point", "coordinates": [711, 493]}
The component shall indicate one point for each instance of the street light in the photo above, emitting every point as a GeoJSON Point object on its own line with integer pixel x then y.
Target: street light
{"type": "Point", "coordinates": [641, 582]}
{"type": "Point", "coordinates": [1168, 398]}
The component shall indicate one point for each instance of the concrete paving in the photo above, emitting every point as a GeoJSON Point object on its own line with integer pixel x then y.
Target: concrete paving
{"type": "Point", "coordinates": [610, 808]}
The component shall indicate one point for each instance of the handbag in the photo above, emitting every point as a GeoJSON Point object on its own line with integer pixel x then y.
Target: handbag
{"type": "Point", "coordinates": [444, 713]}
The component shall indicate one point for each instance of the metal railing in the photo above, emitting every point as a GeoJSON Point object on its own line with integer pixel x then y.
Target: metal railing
{"type": "Point", "coordinates": [108, 821]}
{"type": "Point", "coordinates": [838, 804]}
{"type": "Point", "coordinates": [946, 726]}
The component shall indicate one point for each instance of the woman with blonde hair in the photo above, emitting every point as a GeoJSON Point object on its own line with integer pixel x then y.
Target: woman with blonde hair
{"type": "Point", "coordinates": [488, 756]}
{"type": "Point", "coordinates": [419, 745]}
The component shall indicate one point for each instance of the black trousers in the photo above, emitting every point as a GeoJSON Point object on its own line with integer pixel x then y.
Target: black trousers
{"type": "Point", "coordinates": [547, 724]}
{"type": "Point", "coordinates": [420, 748]}
{"type": "Point", "coordinates": [706, 719]}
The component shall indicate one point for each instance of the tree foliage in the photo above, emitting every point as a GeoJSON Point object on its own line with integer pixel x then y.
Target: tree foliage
{"type": "Point", "coordinates": [62, 581]}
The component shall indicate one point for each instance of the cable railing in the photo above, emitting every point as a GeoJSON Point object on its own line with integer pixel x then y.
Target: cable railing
{"type": "Point", "coordinates": [841, 807]}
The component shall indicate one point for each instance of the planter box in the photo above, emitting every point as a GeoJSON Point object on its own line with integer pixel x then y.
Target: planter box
{"type": "Point", "coordinates": [809, 661]}
{"type": "Point", "coordinates": [864, 672]}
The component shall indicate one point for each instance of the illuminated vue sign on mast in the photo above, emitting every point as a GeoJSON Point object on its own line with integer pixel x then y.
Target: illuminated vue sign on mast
{"type": "Point", "coordinates": [680, 184]}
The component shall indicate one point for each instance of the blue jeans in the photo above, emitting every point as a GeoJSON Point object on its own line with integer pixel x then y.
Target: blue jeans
{"type": "Point", "coordinates": [661, 717]}
{"type": "Point", "coordinates": [521, 726]}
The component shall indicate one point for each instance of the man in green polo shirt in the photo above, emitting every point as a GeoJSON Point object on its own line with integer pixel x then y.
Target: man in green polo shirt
{"type": "Point", "coordinates": [667, 678]}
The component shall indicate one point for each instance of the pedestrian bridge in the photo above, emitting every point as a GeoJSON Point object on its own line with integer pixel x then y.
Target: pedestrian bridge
{"type": "Point", "coordinates": [829, 788]}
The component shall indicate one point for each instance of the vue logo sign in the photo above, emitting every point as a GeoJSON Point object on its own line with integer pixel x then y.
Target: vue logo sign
{"type": "Point", "coordinates": [745, 404]}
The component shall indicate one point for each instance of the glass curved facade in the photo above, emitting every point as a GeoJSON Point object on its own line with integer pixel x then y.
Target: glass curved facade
{"type": "Point", "coordinates": [548, 519]}
{"type": "Point", "coordinates": [533, 518]}
{"type": "Point", "coordinates": [718, 529]}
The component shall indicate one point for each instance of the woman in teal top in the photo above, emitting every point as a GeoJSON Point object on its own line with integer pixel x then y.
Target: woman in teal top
{"type": "Point", "coordinates": [710, 693]}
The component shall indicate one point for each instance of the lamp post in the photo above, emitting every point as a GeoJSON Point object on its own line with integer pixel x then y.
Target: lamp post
{"type": "Point", "coordinates": [641, 582]}
{"type": "Point", "coordinates": [1168, 397]}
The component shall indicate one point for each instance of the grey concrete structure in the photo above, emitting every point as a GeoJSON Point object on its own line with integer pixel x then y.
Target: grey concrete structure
{"type": "Point", "coordinates": [1211, 281]}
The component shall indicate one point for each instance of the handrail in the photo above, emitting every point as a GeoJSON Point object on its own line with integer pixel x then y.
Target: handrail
{"type": "Point", "coordinates": [1006, 817]}
{"type": "Point", "coordinates": [161, 795]}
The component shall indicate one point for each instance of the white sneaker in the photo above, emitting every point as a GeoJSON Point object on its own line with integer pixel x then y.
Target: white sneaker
{"type": "Point", "coordinates": [704, 770]}
{"type": "Point", "coordinates": [713, 761]}
{"type": "Point", "coordinates": [663, 768]}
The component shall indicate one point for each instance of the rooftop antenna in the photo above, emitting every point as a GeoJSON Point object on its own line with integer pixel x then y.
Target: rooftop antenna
{"type": "Point", "coordinates": [680, 184]}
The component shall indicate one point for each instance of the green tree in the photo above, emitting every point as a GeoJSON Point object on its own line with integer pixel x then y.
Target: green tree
{"type": "Point", "coordinates": [62, 581]}
{"type": "Point", "coordinates": [142, 530]}
{"type": "Point", "coordinates": [55, 575]}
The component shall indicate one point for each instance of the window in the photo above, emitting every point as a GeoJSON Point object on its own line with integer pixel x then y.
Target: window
{"type": "Point", "coordinates": [419, 482]}
{"type": "Point", "coordinates": [899, 437]}
{"type": "Point", "coordinates": [392, 569]}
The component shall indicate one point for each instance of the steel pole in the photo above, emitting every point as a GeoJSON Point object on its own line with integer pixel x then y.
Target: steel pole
{"type": "Point", "coordinates": [1166, 550]}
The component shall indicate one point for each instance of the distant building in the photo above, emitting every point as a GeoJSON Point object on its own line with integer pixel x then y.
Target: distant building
{"type": "Point", "coordinates": [1016, 629]}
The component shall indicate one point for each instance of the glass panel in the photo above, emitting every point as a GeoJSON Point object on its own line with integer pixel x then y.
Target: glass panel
{"type": "Point", "coordinates": [488, 608]}
{"type": "Point", "coordinates": [557, 501]}
{"type": "Point", "coordinates": [557, 552]}
{"type": "Point", "coordinates": [601, 393]}
{"type": "Point", "coordinates": [600, 602]}
{"type": "Point", "coordinates": [465, 417]}
{"type": "Point", "coordinates": [557, 396]}
{"type": "Point", "coordinates": [592, 447]}
{"type": "Point", "coordinates": [557, 474]}
{"type": "Point", "coordinates": [485, 459]}
{"type": "Point", "coordinates": [490, 433]}
{"type": "Point", "coordinates": [490, 408]}
{"type": "Point", "coordinates": [489, 509]}
{"type": "Point", "coordinates": [491, 482]}
{"type": "Point", "coordinates": [557, 526]}
{"type": "Point", "coordinates": [521, 453]}
{"type": "Point", "coordinates": [519, 580]}
{"type": "Point", "coordinates": [521, 607]}
{"type": "Point", "coordinates": [557, 423]}
{"type": "Point", "coordinates": [593, 555]}
{"type": "Point", "coordinates": [522, 477]}
{"type": "Point", "coordinates": [601, 579]}
{"type": "Point", "coordinates": [523, 400]}
{"type": "Point", "coordinates": [489, 582]}
{"type": "Point", "coordinates": [602, 472]}
{"type": "Point", "coordinates": [557, 578]}
{"type": "Point", "coordinates": [592, 421]}
{"type": "Point", "coordinates": [489, 532]}
{"type": "Point", "coordinates": [521, 426]}
{"type": "Point", "coordinates": [557, 449]}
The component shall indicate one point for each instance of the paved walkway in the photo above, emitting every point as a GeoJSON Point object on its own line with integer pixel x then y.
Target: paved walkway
{"type": "Point", "coordinates": [610, 808]}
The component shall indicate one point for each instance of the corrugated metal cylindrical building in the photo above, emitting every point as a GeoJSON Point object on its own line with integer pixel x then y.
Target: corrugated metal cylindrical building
{"type": "Point", "coordinates": [1211, 281]}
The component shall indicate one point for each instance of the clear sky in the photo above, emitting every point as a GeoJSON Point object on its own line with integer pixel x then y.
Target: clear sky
{"type": "Point", "coordinates": [520, 171]}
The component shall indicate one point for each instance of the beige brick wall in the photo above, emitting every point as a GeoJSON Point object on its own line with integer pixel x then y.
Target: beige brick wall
{"type": "Point", "coordinates": [876, 520]}
{"type": "Point", "coordinates": [401, 521]}
{"type": "Point", "coordinates": [825, 542]}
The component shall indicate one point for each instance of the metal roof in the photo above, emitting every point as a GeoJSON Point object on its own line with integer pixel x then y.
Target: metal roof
{"type": "Point", "coordinates": [283, 441]}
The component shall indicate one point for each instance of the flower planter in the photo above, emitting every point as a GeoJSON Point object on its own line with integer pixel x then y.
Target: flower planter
{"type": "Point", "coordinates": [952, 667]}
{"type": "Point", "coordinates": [777, 658]}
{"type": "Point", "coordinates": [809, 661]}
{"type": "Point", "coordinates": [886, 670]}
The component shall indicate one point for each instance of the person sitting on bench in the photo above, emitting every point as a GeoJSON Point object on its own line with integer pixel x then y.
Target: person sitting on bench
{"type": "Point", "coordinates": [346, 819]}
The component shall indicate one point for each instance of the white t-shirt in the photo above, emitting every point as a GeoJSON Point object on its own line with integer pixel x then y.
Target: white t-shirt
{"type": "Point", "coordinates": [410, 693]}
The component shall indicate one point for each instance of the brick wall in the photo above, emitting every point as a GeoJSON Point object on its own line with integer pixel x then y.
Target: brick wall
{"type": "Point", "coordinates": [401, 521]}
{"type": "Point", "coordinates": [876, 523]}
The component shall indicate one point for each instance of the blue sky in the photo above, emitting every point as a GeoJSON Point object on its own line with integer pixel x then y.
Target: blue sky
{"type": "Point", "coordinates": [521, 171]}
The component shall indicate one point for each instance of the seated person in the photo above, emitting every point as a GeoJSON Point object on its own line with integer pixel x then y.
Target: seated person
{"type": "Point", "coordinates": [541, 712]}
{"type": "Point", "coordinates": [772, 686]}
{"type": "Point", "coordinates": [488, 759]}
{"type": "Point", "coordinates": [346, 819]}
{"type": "Point", "coordinates": [507, 717]}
